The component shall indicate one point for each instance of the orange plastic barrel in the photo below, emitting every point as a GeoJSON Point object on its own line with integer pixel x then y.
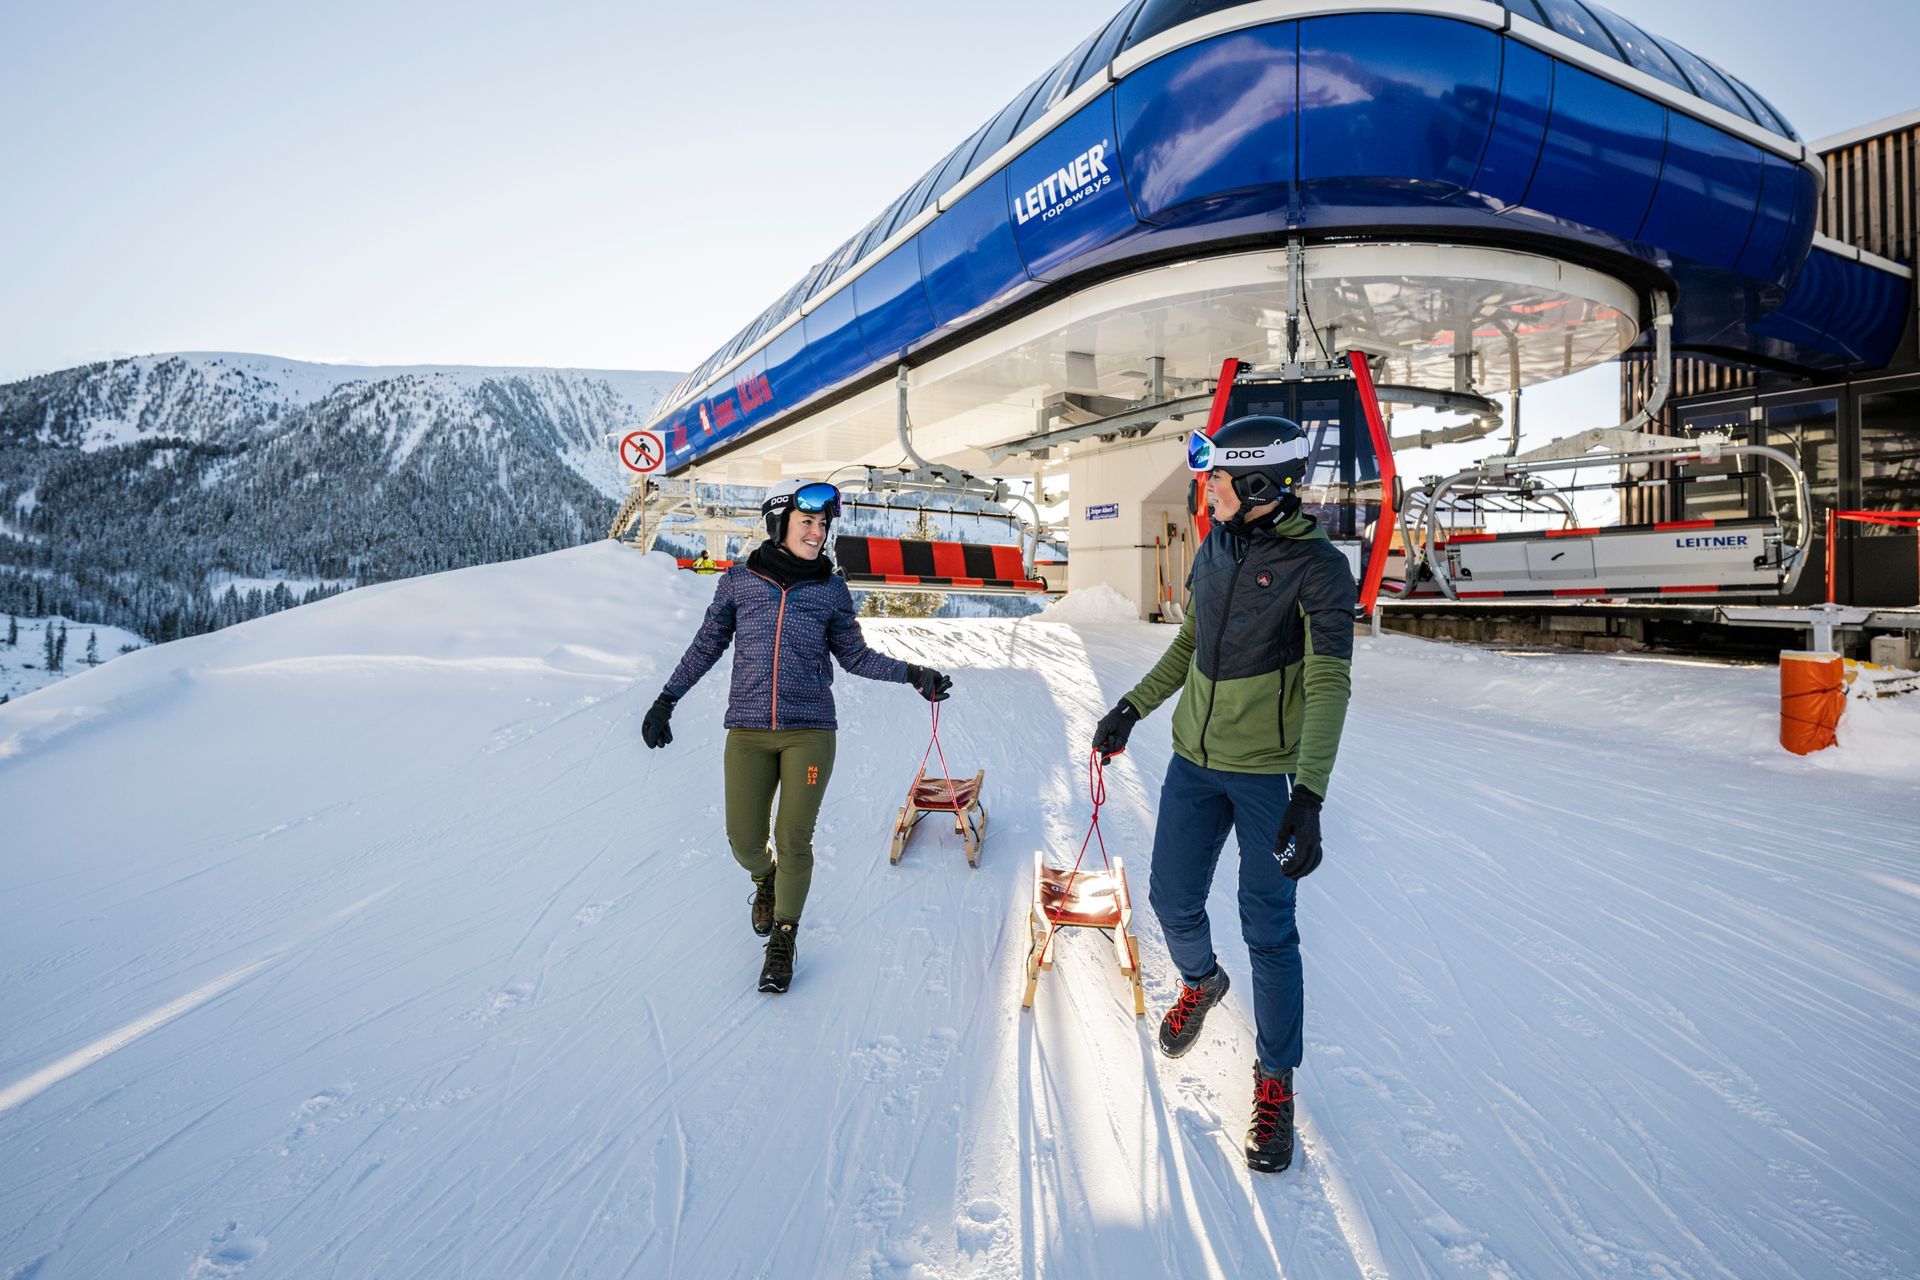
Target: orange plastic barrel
{"type": "Point", "coordinates": [1812, 693]}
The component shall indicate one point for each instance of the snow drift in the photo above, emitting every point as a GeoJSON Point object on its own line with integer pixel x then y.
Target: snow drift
{"type": "Point", "coordinates": [365, 939]}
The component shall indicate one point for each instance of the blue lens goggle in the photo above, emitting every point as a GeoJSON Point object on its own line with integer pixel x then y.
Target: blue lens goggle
{"type": "Point", "coordinates": [818, 496]}
{"type": "Point", "coordinates": [1199, 451]}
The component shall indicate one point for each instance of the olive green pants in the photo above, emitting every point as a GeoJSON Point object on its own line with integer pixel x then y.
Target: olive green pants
{"type": "Point", "coordinates": [795, 763]}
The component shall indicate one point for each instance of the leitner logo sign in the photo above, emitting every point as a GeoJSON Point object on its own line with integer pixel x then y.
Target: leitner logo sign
{"type": "Point", "coordinates": [1064, 188]}
{"type": "Point", "coordinates": [1728, 540]}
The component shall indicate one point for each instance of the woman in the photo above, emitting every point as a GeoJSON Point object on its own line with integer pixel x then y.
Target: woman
{"type": "Point", "coordinates": [788, 611]}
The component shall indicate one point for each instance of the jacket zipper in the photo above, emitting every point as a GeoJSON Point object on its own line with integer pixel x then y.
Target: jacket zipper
{"type": "Point", "coordinates": [1213, 692]}
{"type": "Point", "coordinates": [773, 721]}
{"type": "Point", "coordinates": [779, 620]}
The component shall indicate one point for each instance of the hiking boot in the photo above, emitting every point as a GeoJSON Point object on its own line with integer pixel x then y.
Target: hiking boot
{"type": "Point", "coordinates": [1181, 1025]}
{"type": "Point", "coordinates": [777, 973]}
{"type": "Point", "coordinates": [1270, 1141]}
{"type": "Point", "coordinates": [763, 905]}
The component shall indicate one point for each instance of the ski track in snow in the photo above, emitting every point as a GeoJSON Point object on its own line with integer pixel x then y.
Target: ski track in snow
{"type": "Point", "coordinates": [1584, 998]}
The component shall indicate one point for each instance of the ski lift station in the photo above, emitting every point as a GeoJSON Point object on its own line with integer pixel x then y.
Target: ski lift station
{"type": "Point", "coordinates": [1339, 211]}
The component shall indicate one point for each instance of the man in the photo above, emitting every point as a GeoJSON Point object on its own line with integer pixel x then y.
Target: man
{"type": "Point", "coordinates": [1262, 666]}
{"type": "Point", "coordinates": [704, 564]}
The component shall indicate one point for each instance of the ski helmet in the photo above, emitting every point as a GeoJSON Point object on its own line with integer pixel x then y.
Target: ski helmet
{"type": "Point", "coordinates": [1266, 457]}
{"type": "Point", "coordinates": [797, 495]}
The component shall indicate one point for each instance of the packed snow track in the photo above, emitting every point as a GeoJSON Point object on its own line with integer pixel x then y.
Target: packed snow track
{"type": "Point", "coordinates": [367, 940]}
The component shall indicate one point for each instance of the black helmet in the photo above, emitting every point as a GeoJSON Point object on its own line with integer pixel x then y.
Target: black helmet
{"type": "Point", "coordinates": [805, 495]}
{"type": "Point", "coordinates": [1266, 457]}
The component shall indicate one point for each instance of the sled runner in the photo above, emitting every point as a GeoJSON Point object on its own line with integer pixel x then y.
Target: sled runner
{"type": "Point", "coordinates": [1070, 898]}
{"type": "Point", "coordinates": [959, 800]}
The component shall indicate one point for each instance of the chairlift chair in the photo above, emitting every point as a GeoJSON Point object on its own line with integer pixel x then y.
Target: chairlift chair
{"type": "Point", "coordinates": [1742, 555]}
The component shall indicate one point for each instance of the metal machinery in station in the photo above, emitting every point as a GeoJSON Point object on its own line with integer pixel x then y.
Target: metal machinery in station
{"type": "Point", "coordinates": [1436, 557]}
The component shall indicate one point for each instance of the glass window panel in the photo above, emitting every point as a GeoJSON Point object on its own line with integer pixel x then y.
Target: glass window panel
{"type": "Point", "coordinates": [815, 278]}
{"type": "Point", "coordinates": [1810, 434]}
{"type": "Point", "coordinates": [1324, 492]}
{"type": "Point", "coordinates": [1043, 97]}
{"type": "Point", "coordinates": [1884, 560]}
{"type": "Point", "coordinates": [917, 199]}
{"type": "Point", "coordinates": [1707, 82]}
{"type": "Point", "coordinates": [1890, 455]}
{"type": "Point", "coordinates": [1779, 122]}
{"type": "Point", "coordinates": [1756, 110]}
{"type": "Point", "coordinates": [1107, 45]}
{"type": "Point", "coordinates": [1571, 20]}
{"type": "Point", "coordinates": [956, 166]}
{"type": "Point", "coordinates": [1724, 490]}
{"type": "Point", "coordinates": [734, 346]}
{"type": "Point", "coordinates": [1164, 15]}
{"type": "Point", "coordinates": [771, 316]}
{"type": "Point", "coordinates": [877, 230]}
{"type": "Point", "coordinates": [782, 309]}
{"type": "Point", "coordinates": [1057, 85]}
{"type": "Point", "coordinates": [842, 258]}
{"type": "Point", "coordinates": [1640, 48]}
{"type": "Point", "coordinates": [1527, 9]}
{"type": "Point", "coordinates": [1003, 124]}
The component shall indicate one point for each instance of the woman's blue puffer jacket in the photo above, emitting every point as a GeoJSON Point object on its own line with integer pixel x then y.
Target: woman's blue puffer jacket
{"type": "Point", "coordinates": [781, 676]}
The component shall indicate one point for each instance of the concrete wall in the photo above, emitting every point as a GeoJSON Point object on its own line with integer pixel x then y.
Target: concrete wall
{"type": "Point", "coordinates": [1137, 488]}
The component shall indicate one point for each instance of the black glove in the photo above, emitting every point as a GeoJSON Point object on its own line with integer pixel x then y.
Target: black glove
{"type": "Point", "coordinates": [932, 685]}
{"type": "Point", "coordinates": [655, 730]}
{"type": "Point", "coordinates": [1110, 735]}
{"type": "Point", "coordinates": [1298, 846]}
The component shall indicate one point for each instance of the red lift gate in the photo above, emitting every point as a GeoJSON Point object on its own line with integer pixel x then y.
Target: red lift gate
{"type": "Point", "coordinates": [1351, 483]}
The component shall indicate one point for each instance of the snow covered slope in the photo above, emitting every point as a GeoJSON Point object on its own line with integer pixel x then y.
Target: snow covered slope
{"type": "Point", "coordinates": [365, 939]}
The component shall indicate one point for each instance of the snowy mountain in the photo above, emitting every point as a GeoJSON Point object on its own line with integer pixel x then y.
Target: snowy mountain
{"type": "Point", "coordinates": [366, 940]}
{"type": "Point", "coordinates": [137, 492]}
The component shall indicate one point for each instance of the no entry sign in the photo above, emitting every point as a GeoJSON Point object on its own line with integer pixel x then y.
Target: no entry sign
{"type": "Point", "coordinates": [643, 451]}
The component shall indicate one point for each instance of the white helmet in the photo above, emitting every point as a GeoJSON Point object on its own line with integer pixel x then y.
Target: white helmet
{"type": "Point", "coordinates": [803, 495]}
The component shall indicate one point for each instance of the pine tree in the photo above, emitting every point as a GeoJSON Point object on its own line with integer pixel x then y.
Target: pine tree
{"type": "Point", "coordinates": [60, 650]}
{"type": "Point", "coordinates": [93, 648]}
{"type": "Point", "coordinates": [52, 661]}
{"type": "Point", "coordinates": [13, 632]}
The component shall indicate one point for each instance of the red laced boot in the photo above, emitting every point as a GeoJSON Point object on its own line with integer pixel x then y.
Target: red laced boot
{"type": "Point", "coordinates": [1181, 1025]}
{"type": "Point", "coordinates": [1270, 1141]}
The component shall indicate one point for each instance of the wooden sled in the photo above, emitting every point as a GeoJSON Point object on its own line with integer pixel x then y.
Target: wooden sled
{"type": "Point", "coordinates": [1064, 899]}
{"type": "Point", "coordinates": [959, 800]}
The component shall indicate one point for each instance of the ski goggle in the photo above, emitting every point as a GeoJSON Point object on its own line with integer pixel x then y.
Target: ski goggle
{"type": "Point", "coordinates": [1204, 455]}
{"type": "Point", "coordinates": [817, 496]}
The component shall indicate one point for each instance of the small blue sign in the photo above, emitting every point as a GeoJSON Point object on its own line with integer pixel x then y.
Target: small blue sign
{"type": "Point", "coordinates": [1104, 511]}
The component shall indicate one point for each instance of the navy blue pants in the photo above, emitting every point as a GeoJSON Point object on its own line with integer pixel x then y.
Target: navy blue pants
{"type": "Point", "coordinates": [1198, 807]}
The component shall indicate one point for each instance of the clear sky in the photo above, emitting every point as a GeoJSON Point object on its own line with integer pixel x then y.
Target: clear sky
{"type": "Point", "coordinates": [583, 182]}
